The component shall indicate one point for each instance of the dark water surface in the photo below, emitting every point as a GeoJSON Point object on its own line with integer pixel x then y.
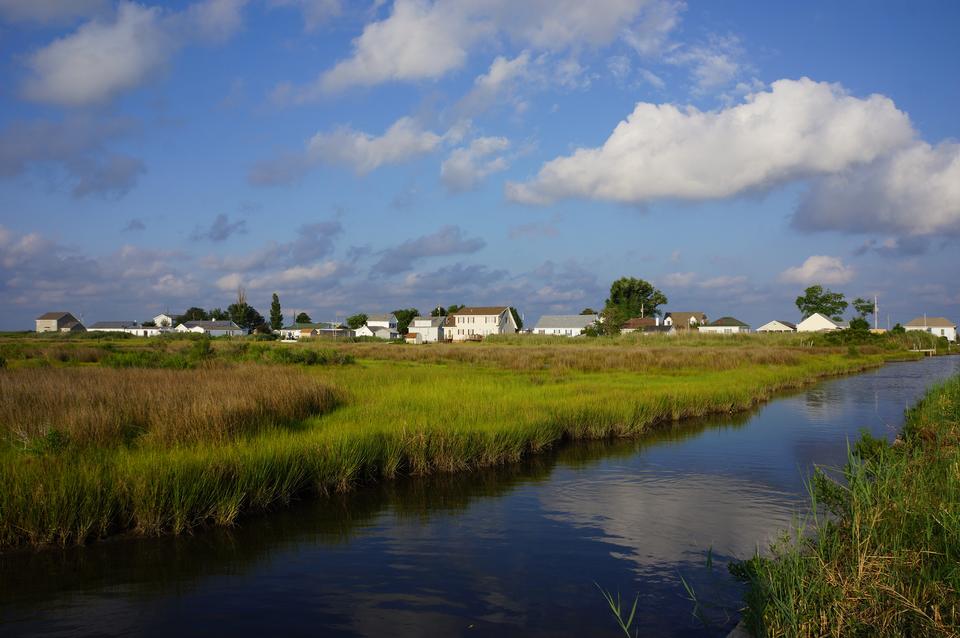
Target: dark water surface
{"type": "Point", "coordinates": [508, 552]}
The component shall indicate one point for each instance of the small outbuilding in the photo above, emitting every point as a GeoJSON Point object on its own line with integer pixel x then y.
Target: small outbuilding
{"type": "Point", "coordinates": [564, 325]}
{"type": "Point", "coordinates": [820, 323]}
{"type": "Point", "coordinates": [778, 325]}
{"type": "Point", "coordinates": [212, 328]}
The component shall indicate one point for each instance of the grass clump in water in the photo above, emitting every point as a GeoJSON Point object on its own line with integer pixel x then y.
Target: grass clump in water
{"type": "Point", "coordinates": [885, 561]}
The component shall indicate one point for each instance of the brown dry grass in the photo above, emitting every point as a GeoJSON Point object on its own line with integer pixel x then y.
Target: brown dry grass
{"type": "Point", "coordinates": [105, 407]}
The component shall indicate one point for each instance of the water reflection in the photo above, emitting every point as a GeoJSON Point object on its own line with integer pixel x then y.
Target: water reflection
{"type": "Point", "coordinates": [507, 551]}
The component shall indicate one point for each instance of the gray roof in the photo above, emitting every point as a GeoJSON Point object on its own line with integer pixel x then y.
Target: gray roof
{"type": "Point", "coordinates": [52, 315]}
{"type": "Point", "coordinates": [212, 325]}
{"type": "Point", "coordinates": [382, 317]}
{"type": "Point", "coordinates": [434, 322]}
{"type": "Point", "coordinates": [565, 322]}
{"type": "Point", "coordinates": [113, 325]}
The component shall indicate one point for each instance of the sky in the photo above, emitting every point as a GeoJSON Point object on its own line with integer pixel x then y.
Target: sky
{"type": "Point", "coordinates": [368, 156]}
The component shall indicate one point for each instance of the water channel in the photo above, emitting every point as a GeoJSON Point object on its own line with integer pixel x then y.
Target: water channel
{"type": "Point", "coordinates": [513, 551]}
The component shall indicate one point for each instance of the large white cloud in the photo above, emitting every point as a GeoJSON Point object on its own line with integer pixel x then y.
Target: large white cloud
{"type": "Point", "coordinates": [796, 129]}
{"type": "Point", "coordinates": [819, 269]}
{"type": "Point", "coordinates": [914, 191]}
{"type": "Point", "coordinates": [49, 11]}
{"type": "Point", "coordinates": [423, 39]}
{"type": "Point", "coordinates": [103, 58]}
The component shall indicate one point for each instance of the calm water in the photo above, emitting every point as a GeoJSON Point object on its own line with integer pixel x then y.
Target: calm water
{"type": "Point", "coordinates": [514, 551]}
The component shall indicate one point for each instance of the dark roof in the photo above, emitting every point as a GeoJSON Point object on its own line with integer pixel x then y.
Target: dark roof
{"type": "Point", "coordinates": [52, 315]}
{"type": "Point", "coordinates": [788, 324]}
{"type": "Point", "coordinates": [639, 322]}
{"type": "Point", "coordinates": [114, 325]}
{"type": "Point", "coordinates": [212, 325]}
{"type": "Point", "coordinates": [729, 322]}
{"type": "Point", "coordinates": [481, 310]}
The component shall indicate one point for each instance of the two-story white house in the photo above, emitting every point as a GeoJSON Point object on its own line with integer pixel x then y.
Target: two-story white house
{"type": "Point", "coordinates": [937, 326]}
{"type": "Point", "coordinates": [564, 325]}
{"type": "Point", "coordinates": [166, 320]}
{"type": "Point", "coordinates": [468, 324]}
{"type": "Point", "coordinates": [426, 329]}
{"type": "Point", "coordinates": [820, 323]}
{"type": "Point", "coordinates": [382, 321]}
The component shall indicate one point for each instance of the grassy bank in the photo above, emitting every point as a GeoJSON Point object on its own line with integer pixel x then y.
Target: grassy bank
{"type": "Point", "coordinates": [156, 451]}
{"type": "Point", "coordinates": [885, 560]}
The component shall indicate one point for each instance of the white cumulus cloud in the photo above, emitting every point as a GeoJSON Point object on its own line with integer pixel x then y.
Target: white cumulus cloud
{"type": "Point", "coordinates": [468, 165]}
{"type": "Point", "coordinates": [798, 128]}
{"type": "Point", "coordinates": [364, 152]}
{"type": "Point", "coordinates": [819, 269]}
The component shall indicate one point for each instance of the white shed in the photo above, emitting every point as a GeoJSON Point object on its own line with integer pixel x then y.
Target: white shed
{"type": "Point", "coordinates": [820, 323]}
{"type": "Point", "coordinates": [778, 325]}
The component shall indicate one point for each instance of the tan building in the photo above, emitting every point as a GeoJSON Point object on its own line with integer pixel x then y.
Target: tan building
{"type": "Point", "coordinates": [58, 322]}
{"type": "Point", "coordinates": [469, 324]}
{"type": "Point", "coordinates": [685, 320]}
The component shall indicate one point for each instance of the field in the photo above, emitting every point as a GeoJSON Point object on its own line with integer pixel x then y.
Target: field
{"type": "Point", "coordinates": [103, 436]}
{"type": "Point", "coordinates": [882, 557]}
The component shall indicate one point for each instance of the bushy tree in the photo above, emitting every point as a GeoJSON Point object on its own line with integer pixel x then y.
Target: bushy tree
{"type": "Point", "coordinates": [303, 318]}
{"type": "Point", "coordinates": [826, 302]}
{"type": "Point", "coordinates": [276, 314]}
{"type": "Point", "coordinates": [859, 324]}
{"type": "Point", "coordinates": [864, 307]}
{"type": "Point", "coordinates": [897, 329]}
{"type": "Point", "coordinates": [631, 297]}
{"type": "Point", "coordinates": [404, 317]}
{"type": "Point", "coordinates": [440, 311]}
{"type": "Point", "coordinates": [243, 314]}
{"type": "Point", "coordinates": [218, 314]}
{"type": "Point", "coordinates": [193, 314]}
{"type": "Point", "coordinates": [357, 320]}
{"type": "Point", "coordinates": [588, 311]}
{"type": "Point", "coordinates": [516, 317]}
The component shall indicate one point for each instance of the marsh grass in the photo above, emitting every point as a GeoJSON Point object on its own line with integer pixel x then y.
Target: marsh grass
{"type": "Point", "coordinates": [93, 451]}
{"type": "Point", "coordinates": [882, 557]}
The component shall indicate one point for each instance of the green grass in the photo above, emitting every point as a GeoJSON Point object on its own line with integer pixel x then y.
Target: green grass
{"type": "Point", "coordinates": [399, 410]}
{"type": "Point", "coordinates": [883, 557]}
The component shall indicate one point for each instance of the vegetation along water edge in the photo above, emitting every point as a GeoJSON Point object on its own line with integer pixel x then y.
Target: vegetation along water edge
{"type": "Point", "coordinates": [109, 436]}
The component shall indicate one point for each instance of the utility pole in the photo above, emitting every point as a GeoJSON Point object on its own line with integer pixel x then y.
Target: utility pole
{"type": "Point", "coordinates": [876, 310]}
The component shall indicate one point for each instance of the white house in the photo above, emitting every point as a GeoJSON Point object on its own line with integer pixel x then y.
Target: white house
{"type": "Point", "coordinates": [725, 326]}
{"type": "Point", "coordinates": [380, 332]}
{"type": "Point", "coordinates": [295, 331]}
{"type": "Point", "coordinates": [564, 325]}
{"type": "Point", "coordinates": [778, 325]}
{"type": "Point", "coordinates": [165, 320]}
{"type": "Point", "coordinates": [382, 321]}
{"type": "Point", "coordinates": [128, 327]}
{"type": "Point", "coordinates": [426, 329]}
{"type": "Point", "coordinates": [820, 323]}
{"type": "Point", "coordinates": [58, 322]}
{"type": "Point", "coordinates": [685, 320]}
{"type": "Point", "coordinates": [212, 328]}
{"type": "Point", "coordinates": [476, 323]}
{"type": "Point", "coordinates": [937, 326]}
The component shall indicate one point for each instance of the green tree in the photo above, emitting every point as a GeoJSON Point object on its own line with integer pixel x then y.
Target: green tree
{"type": "Point", "coordinates": [588, 311]}
{"type": "Point", "coordinates": [859, 324]}
{"type": "Point", "coordinates": [302, 318]}
{"type": "Point", "coordinates": [897, 329]}
{"type": "Point", "coordinates": [517, 318]}
{"type": "Point", "coordinates": [242, 313]}
{"type": "Point", "coordinates": [440, 311]}
{"type": "Point", "coordinates": [826, 302]}
{"type": "Point", "coordinates": [355, 321]}
{"type": "Point", "coordinates": [404, 317]}
{"type": "Point", "coordinates": [218, 314]}
{"type": "Point", "coordinates": [276, 314]}
{"type": "Point", "coordinates": [193, 314]}
{"type": "Point", "coordinates": [631, 297]}
{"type": "Point", "coordinates": [864, 307]}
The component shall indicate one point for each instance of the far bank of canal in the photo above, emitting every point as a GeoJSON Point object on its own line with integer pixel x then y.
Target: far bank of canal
{"type": "Point", "coordinates": [510, 551]}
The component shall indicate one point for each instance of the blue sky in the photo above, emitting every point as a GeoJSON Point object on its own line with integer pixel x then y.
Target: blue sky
{"type": "Point", "coordinates": [369, 156]}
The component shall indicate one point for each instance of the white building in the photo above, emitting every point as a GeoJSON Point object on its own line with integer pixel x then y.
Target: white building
{"type": "Point", "coordinates": [778, 325]}
{"type": "Point", "coordinates": [725, 326]}
{"type": "Point", "coordinates": [212, 328]}
{"type": "Point", "coordinates": [426, 329]}
{"type": "Point", "coordinates": [128, 327]}
{"type": "Point", "coordinates": [382, 321]}
{"type": "Point", "coordinates": [564, 325]}
{"type": "Point", "coordinates": [476, 323]}
{"type": "Point", "coordinates": [937, 326]}
{"type": "Point", "coordinates": [296, 331]}
{"type": "Point", "coordinates": [380, 332]}
{"type": "Point", "coordinates": [58, 322]}
{"type": "Point", "coordinates": [165, 320]}
{"type": "Point", "coordinates": [820, 323]}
